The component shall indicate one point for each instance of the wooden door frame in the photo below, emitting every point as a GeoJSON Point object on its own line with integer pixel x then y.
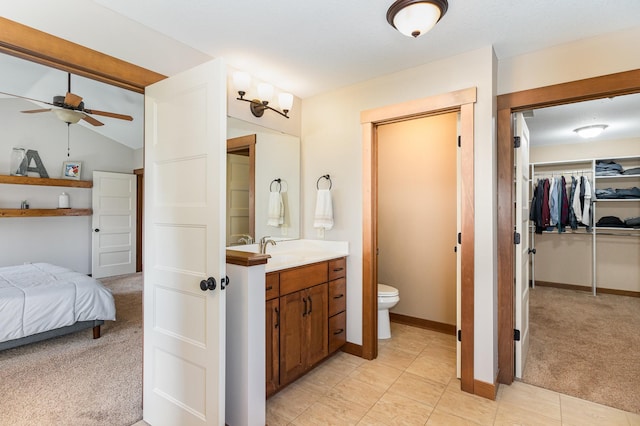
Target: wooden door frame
{"type": "Point", "coordinates": [622, 83]}
{"type": "Point", "coordinates": [459, 101]}
{"type": "Point", "coordinates": [240, 143]}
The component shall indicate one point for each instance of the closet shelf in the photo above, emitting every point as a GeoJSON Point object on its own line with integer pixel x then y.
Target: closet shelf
{"type": "Point", "coordinates": [25, 180]}
{"type": "Point", "coordinates": [607, 200]}
{"type": "Point", "coordinates": [618, 177]}
{"type": "Point", "coordinates": [44, 212]}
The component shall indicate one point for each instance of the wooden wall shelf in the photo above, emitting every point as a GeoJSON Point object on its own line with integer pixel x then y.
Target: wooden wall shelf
{"type": "Point", "coordinates": [24, 180]}
{"type": "Point", "coordinates": [44, 212]}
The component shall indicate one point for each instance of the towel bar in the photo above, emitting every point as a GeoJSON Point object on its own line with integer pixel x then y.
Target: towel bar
{"type": "Point", "coordinates": [327, 177]}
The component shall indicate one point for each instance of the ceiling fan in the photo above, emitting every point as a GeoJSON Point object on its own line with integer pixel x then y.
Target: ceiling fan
{"type": "Point", "coordinates": [70, 109]}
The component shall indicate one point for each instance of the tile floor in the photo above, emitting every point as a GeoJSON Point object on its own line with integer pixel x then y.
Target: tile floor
{"type": "Point", "coordinates": [412, 382]}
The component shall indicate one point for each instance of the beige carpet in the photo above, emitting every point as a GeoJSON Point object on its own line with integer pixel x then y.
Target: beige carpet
{"type": "Point", "coordinates": [586, 346]}
{"type": "Point", "coordinates": [75, 380]}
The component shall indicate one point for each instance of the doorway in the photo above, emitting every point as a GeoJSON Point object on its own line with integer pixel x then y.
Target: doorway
{"type": "Point", "coordinates": [593, 88]}
{"type": "Point", "coordinates": [463, 102]}
{"type": "Point", "coordinates": [417, 213]}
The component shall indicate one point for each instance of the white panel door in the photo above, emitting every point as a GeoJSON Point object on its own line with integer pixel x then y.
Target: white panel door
{"type": "Point", "coordinates": [185, 179]}
{"type": "Point", "coordinates": [522, 249]}
{"type": "Point", "coordinates": [237, 198]}
{"type": "Point", "coordinates": [113, 241]}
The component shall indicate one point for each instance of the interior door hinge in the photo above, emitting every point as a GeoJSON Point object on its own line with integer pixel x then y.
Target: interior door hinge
{"type": "Point", "coordinates": [459, 335]}
{"type": "Point", "coordinates": [516, 335]}
{"type": "Point", "coordinates": [516, 238]}
{"type": "Point", "coordinates": [516, 141]}
{"type": "Point", "coordinates": [459, 237]}
{"type": "Point", "coordinates": [459, 141]}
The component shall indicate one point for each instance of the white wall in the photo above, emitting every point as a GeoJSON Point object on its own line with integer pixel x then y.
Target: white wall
{"type": "Point", "coordinates": [332, 143]}
{"type": "Point", "coordinates": [591, 57]}
{"type": "Point", "coordinates": [65, 241]}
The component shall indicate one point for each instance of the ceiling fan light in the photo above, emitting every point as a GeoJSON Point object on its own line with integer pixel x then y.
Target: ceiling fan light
{"type": "Point", "coordinates": [68, 116]}
{"type": "Point", "coordinates": [592, 131]}
{"type": "Point", "coordinates": [416, 17]}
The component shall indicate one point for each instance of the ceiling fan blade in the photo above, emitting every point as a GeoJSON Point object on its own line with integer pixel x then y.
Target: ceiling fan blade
{"type": "Point", "coordinates": [92, 120]}
{"type": "Point", "coordinates": [29, 99]}
{"type": "Point", "coordinates": [72, 99]}
{"type": "Point", "coordinates": [31, 111]}
{"type": "Point", "coordinates": [109, 114]}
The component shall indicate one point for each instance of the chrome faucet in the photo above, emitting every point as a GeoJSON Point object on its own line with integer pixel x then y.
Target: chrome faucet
{"type": "Point", "coordinates": [246, 239]}
{"type": "Point", "coordinates": [263, 243]}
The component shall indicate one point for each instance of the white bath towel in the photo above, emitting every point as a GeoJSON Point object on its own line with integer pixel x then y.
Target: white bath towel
{"type": "Point", "coordinates": [275, 212]}
{"type": "Point", "coordinates": [324, 210]}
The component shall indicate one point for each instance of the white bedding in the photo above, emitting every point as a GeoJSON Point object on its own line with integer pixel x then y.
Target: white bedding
{"type": "Point", "coordinates": [38, 297]}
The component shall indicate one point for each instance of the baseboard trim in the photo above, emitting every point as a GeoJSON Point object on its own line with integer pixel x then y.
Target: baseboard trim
{"type": "Point", "coordinates": [485, 390]}
{"type": "Point", "coordinates": [423, 323]}
{"type": "Point", "coordinates": [353, 349]}
{"type": "Point", "coordinates": [588, 288]}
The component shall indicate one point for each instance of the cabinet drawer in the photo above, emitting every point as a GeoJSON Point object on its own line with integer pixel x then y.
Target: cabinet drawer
{"type": "Point", "coordinates": [305, 276]}
{"type": "Point", "coordinates": [337, 268]}
{"type": "Point", "coordinates": [272, 285]}
{"type": "Point", "coordinates": [337, 296]}
{"type": "Point", "coordinates": [337, 331]}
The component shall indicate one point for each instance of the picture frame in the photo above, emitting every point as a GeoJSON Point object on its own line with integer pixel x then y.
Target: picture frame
{"type": "Point", "coordinates": [71, 170]}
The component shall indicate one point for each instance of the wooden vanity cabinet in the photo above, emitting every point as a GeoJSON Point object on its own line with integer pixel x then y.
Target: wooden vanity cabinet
{"type": "Point", "coordinates": [337, 304]}
{"type": "Point", "coordinates": [272, 336]}
{"type": "Point", "coordinates": [310, 321]}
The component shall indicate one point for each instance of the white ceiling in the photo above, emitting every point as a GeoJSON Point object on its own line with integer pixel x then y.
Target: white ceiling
{"type": "Point", "coordinates": [310, 47]}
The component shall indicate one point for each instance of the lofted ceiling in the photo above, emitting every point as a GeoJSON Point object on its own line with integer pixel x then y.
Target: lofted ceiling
{"type": "Point", "coordinates": [310, 47]}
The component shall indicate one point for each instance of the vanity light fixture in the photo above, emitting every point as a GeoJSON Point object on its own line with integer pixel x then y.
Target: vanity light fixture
{"type": "Point", "coordinates": [242, 81]}
{"type": "Point", "coordinates": [416, 17]}
{"type": "Point", "coordinates": [592, 131]}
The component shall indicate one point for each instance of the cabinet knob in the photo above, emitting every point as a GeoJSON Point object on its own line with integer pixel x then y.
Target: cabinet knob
{"type": "Point", "coordinates": [96, 230]}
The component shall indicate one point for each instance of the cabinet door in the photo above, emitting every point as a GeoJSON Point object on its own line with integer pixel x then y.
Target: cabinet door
{"type": "Point", "coordinates": [317, 318]}
{"type": "Point", "coordinates": [272, 338]}
{"type": "Point", "coordinates": [292, 334]}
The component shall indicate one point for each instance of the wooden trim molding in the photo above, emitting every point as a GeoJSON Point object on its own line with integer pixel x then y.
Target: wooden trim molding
{"type": "Point", "coordinates": [486, 390]}
{"type": "Point", "coordinates": [37, 46]}
{"type": "Point", "coordinates": [588, 288]}
{"type": "Point", "coordinates": [462, 101]}
{"type": "Point", "coordinates": [353, 349]}
{"type": "Point", "coordinates": [581, 90]}
{"type": "Point", "coordinates": [423, 323]}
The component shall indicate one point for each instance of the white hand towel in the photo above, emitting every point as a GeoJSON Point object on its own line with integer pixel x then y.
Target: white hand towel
{"type": "Point", "coordinates": [324, 210]}
{"type": "Point", "coordinates": [275, 213]}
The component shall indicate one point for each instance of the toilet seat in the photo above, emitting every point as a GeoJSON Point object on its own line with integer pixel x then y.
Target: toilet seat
{"type": "Point", "coordinates": [387, 291]}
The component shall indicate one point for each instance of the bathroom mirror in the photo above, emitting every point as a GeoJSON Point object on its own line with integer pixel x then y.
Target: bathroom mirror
{"type": "Point", "coordinates": [276, 165]}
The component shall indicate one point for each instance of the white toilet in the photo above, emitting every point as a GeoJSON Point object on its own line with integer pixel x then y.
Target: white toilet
{"type": "Point", "coordinates": [387, 298]}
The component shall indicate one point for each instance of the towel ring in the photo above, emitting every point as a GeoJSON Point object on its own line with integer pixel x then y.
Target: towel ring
{"type": "Point", "coordinates": [327, 177]}
{"type": "Point", "coordinates": [279, 182]}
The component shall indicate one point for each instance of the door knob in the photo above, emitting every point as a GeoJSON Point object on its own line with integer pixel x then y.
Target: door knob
{"type": "Point", "coordinates": [97, 230]}
{"type": "Point", "coordinates": [208, 284]}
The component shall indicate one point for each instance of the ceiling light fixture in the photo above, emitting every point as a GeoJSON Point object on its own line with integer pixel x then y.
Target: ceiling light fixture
{"type": "Point", "coordinates": [69, 116]}
{"type": "Point", "coordinates": [592, 131]}
{"type": "Point", "coordinates": [416, 17]}
{"type": "Point", "coordinates": [242, 81]}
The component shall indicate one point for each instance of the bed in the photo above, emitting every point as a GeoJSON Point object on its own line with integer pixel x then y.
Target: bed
{"type": "Point", "coordinates": [39, 301]}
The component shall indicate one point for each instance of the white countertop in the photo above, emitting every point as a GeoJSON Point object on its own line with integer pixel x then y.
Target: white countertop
{"type": "Point", "coordinates": [290, 253]}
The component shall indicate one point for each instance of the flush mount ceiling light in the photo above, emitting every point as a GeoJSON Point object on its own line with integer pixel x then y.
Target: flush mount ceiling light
{"type": "Point", "coordinates": [242, 81]}
{"type": "Point", "coordinates": [592, 131]}
{"type": "Point", "coordinates": [416, 17]}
